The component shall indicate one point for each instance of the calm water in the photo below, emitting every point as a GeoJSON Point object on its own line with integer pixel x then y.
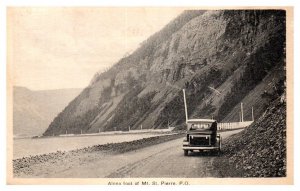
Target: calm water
{"type": "Point", "coordinates": [27, 147]}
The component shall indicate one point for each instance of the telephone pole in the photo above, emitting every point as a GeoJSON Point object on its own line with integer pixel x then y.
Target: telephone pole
{"type": "Point", "coordinates": [252, 114]}
{"type": "Point", "coordinates": [185, 106]}
{"type": "Point", "coordinates": [242, 113]}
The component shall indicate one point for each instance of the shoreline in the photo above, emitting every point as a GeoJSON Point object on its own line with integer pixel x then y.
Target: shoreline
{"type": "Point", "coordinates": [27, 165]}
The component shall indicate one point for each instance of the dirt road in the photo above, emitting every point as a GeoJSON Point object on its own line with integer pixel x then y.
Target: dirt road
{"type": "Point", "coordinates": [162, 160]}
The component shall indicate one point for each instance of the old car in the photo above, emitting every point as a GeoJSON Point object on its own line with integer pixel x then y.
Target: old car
{"type": "Point", "coordinates": [201, 135]}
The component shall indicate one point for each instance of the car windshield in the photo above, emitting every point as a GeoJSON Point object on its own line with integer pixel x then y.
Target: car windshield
{"type": "Point", "coordinates": [198, 126]}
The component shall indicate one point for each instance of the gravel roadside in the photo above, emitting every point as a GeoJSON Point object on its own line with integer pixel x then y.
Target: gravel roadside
{"type": "Point", "coordinates": [66, 159]}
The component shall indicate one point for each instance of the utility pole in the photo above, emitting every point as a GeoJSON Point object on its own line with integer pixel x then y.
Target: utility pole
{"type": "Point", "coordinates": [252, 114]}
{"type": "Point", "coordinates": [240, 117]}
{"type": "Point", "coordinates": [185, 106]}
{"type": "Point", "coordinates": [242, 113]}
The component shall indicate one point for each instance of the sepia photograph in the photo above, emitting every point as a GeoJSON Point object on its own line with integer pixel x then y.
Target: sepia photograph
{"type": "Point", "coordinates": [149, 95]}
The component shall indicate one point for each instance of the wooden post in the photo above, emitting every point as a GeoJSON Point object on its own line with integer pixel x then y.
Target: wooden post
{"type": "Point", "coordinates": [252, 115]}
{"type": "Point", "coordinates": [141, 127]}
{"type": "Point", "coordinates": [240, 117]}
{"type": "Point", "coordinates": [129, 128]}
{"type": "Point", "coordinates": [185, 106]}
{"type": "Point", "coordinates": [242, 113]}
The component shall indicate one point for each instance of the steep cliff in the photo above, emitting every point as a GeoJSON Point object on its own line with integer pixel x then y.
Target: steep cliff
{"type": "Point", "coordinates": [219, 57]}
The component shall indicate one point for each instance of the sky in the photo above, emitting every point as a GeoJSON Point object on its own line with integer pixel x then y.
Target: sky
{"type": "Point", "coordinates": [56, 48]}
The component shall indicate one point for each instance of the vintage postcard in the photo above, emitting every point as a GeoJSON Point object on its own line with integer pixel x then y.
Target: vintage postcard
{"type": "Point", "coordinates": [150, 95]}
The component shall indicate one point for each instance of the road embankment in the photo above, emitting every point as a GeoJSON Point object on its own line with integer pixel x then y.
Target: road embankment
{"type": "Point", "coordinates": [259, 150]}
{"type": "Point", "coordinates": [27, 165]}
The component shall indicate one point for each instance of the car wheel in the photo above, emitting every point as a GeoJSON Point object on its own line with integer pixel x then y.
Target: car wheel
{"type": "Point", "coordinates": [186, 152]}
{"type": "Point", "coordinates": [219, 152]}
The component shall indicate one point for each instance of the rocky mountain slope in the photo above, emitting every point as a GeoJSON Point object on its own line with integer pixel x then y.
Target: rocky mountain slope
{"type": "Point", "coordinates": [220, 57]}
{"type": "Point", "coordinates": [259, 150]}
{"type": "Point", "coordinates": [34, 110]}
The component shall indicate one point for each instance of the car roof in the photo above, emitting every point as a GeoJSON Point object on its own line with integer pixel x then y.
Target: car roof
{"type": "Point", "coordinates": [201, 121]}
